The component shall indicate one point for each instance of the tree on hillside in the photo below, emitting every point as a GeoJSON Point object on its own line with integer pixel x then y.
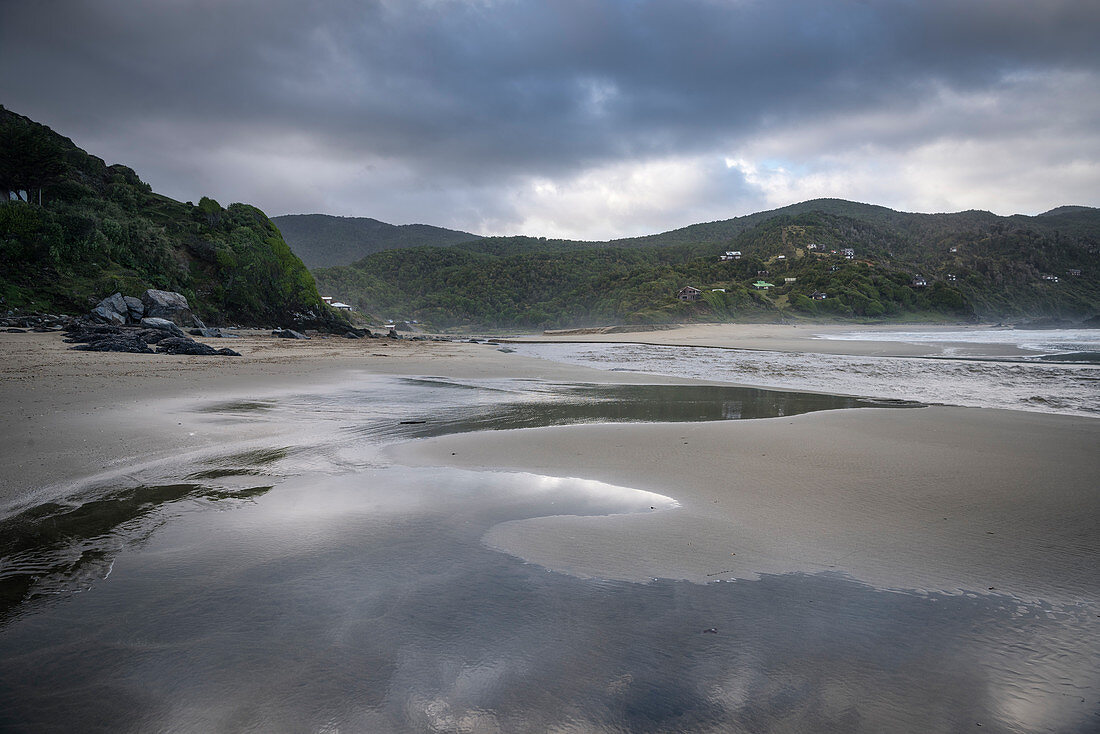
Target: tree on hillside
{"type": "Point", "coordinates": [31, 158]}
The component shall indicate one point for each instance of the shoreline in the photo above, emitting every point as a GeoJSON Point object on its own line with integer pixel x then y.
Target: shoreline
{"type": "Point", "coordinates": [797, 338]}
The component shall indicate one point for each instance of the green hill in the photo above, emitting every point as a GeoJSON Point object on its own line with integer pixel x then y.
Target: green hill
{"type": "Point", "coordinates": [74, 230]}
{"type": "Point", "coordinates": [323, 241]}
{"type": "Point", "coordinates": [974, 265]}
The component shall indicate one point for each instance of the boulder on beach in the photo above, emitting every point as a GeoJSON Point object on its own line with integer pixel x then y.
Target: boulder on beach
{"type": "Point", "coordinates": [135, 308]}
{"type": "Point", "coordinates": [211, 333]}
{"type": "Point", "coordinates": [112, 310]}
{"type": "Point", "coordinates": [150, 322]}
{"type": "Point", "coordinates": [288, 334]}
{"type": "Point", "coordinates": [167, 305]}
{"type": "Point", "coordinates": [185, 345]}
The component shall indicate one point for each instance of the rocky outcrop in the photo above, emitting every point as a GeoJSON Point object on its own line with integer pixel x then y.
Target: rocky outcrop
{"type": "Point", "coordinates": [167, 305]}
{"type": "Point", "coordinates": [120, 310]}
{"type": "Point", "coordinates": [169, 338]}
{"type": "Point", "coordinates": [107, 339]}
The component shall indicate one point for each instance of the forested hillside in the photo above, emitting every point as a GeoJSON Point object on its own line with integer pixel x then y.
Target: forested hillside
{"type": "Point", "coordinates": [902, 266]}
{"type": "Point", "coordinates": [74, 230]}
{"type": "Point", "coordinates": [323, 241]}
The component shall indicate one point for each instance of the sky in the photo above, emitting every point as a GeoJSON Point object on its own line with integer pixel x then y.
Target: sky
{"type": "Point", "coordinates": [586, 119]}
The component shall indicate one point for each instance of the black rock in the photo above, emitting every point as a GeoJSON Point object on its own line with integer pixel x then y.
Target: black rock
{"type": "Point", "coordinates": [16, 331]}
{"type": "Point", "coordinates": [84, 333]}
{"type": "Point", "coordinates": [135, 308]}
{"type": "Point", "coordinates": [112, 310]}
{"type": "Point", "coordinates": [210, 333]}
{"type": "Point", "coordinates": [184, 345]}
{"type": "Point", "coordinates": [288, 334]}
{"type": "Point", "coordinates": [154, 336]}
{"type": "Point", "coordinates": [116, 343]}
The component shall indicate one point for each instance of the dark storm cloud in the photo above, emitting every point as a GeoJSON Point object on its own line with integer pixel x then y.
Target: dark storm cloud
{"type": "Point", "coordinates": [511, 88]}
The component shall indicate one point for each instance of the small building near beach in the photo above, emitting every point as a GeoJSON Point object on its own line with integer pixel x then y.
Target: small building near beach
{"type": "Point", "coordinates": [689, 293]}
{"type": "Point", "coordinates": [919, 282]}
{"type": "Point", "coordinates": [818, 296]}
{"type": "Point", "coordinates": [762, 286]}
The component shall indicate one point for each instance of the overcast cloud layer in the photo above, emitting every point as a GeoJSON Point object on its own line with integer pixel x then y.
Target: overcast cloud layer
{"type": "Point", "coordinates": [582, 118]}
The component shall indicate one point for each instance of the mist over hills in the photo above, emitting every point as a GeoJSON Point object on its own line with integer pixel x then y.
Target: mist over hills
{"type": "Point", "coordinates": [322, 240]}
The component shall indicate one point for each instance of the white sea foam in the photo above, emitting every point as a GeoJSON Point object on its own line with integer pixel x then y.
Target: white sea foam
{"type": "Point", "coordinates": [1045, 341]}
{"type": "Point", "coordinates": [1070, 389]}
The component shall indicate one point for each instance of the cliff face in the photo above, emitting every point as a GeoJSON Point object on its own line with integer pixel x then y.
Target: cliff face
{"type": "Point", "coordinates": [74, 230]}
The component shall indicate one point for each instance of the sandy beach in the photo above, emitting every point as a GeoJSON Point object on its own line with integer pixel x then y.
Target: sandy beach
{"type": "Point", "coordinates": [932, 498]}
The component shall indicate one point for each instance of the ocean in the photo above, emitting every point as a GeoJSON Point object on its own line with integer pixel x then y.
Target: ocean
{"type": "Point", "coordinates": [312, 586]}
{"type": "Point", "coordinates": [1051, 381]}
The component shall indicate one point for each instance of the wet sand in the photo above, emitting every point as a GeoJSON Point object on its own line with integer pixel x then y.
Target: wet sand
{"type": "Point", "coordinates": [69, 415]}
{"type": "Point", "coordinates": [935, 498]}
{"type": "Point", "coordinates": [944, 499]}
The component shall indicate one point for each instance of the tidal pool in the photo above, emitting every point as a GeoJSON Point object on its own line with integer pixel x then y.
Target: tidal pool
{"type": "Point", "coordinates": [369, 603]}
